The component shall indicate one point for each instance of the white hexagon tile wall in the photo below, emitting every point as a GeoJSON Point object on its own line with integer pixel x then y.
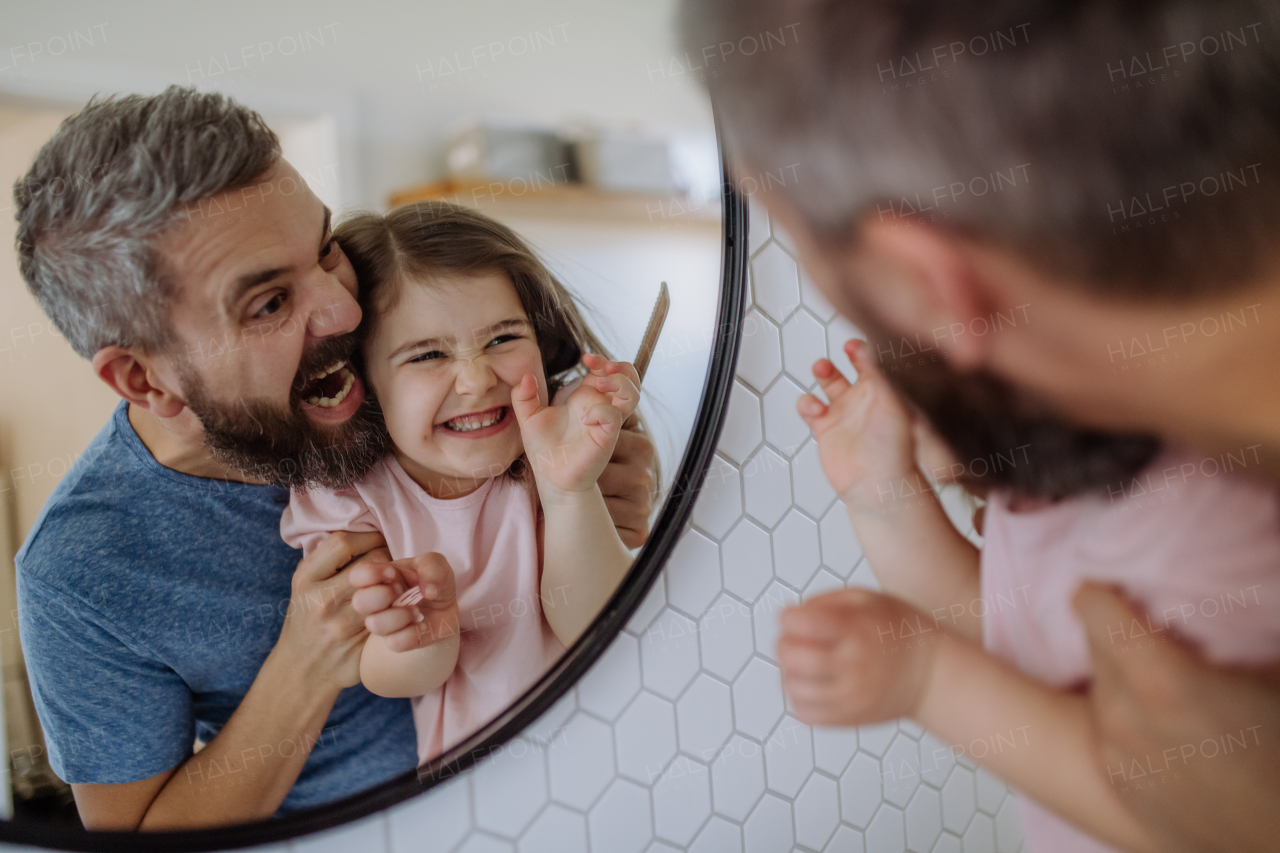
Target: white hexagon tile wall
{"type": "Point", "coordinates": [679, 738]}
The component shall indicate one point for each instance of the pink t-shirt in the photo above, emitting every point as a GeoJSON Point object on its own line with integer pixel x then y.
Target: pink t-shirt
{"type": "Point", "coordinates": [490, 540]}
{"type": "Point", "coordinates": [1197, 548]}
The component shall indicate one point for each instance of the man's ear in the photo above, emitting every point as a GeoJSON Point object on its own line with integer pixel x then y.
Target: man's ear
{"type": "Point", "coordinates": [922, 280]}
{"type": "Point", "coordinates": [133, 376]}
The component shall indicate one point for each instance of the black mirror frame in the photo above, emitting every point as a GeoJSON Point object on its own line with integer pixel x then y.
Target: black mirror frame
{"type": "Point", "coordinates": [560, 678]}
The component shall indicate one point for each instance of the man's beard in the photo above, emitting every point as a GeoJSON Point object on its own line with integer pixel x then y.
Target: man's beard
{"type": "Point", "coordinates": [1003, 437]}
{"type": "Point", "coordinates": [286, 447]}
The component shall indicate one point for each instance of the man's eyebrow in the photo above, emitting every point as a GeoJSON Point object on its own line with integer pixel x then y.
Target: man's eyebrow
{"type": "Point", "coordinates": [427, 343]}
{"type": "Point", "coordinates": [248, 281]}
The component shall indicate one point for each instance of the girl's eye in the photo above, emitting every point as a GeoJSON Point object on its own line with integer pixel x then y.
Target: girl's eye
{"type": "Point", "coordinates": [502, 339]}
{"type": "Point", "coordinates": [271, 306]}
{"type": "Point", "coordinates": [426, 356]}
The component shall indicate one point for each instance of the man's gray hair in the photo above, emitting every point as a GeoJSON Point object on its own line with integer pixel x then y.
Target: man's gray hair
{"type": "Point", "coordinates": [114, 179]}
{"type": "Point", "coordinates": [1131, 147]}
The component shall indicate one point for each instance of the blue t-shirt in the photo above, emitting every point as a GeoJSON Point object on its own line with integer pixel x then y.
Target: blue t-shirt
{"type": "Point", "coordinates": [148, 600]}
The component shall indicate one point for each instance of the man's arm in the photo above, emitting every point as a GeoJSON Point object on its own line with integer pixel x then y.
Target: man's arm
{"type": "Point", "coordinates": [628, 484]}
{"type": "Point", "coordinates": [1161, 707]}
{"type": "Point", "coordinates": [316, 656]}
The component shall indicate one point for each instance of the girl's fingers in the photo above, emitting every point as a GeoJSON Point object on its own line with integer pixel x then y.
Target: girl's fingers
{"type": "Point", "coordinates": [524, 399]}
{"type": "Point", "coordinates": [810, 408]}
{"type": "Point", "coordinates": [605, 416]}
{"type": "Point", "coordinates": [830, 378]}
{"type": "Point", "coordinates": [858, 353]}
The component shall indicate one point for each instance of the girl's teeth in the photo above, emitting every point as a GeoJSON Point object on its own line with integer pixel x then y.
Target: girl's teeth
{"type": "Point", "coordinates": [468, 423]}
{"type": "Point", "coordinates": [329, 402]}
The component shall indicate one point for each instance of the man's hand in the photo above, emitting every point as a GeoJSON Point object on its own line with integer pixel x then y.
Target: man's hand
{"type": "Point", "coordinates": [378, 585]}
{"type": "Point", "coordinates": [321, 628]}
{"type": "Point", "coordinates": [628, 485]}
{"type": "Point", "coordinates": [855, 656]}
{"type": "Point", "coordinates": [1180, 721]}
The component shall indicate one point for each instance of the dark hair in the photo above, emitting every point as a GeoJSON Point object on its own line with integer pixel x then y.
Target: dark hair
{"type": "Point", "coordinates": [433, 237]}
{"type": "Point", "coordinates": [104, 189]}
{"type": "Point", "coordinates": [1127, 147]}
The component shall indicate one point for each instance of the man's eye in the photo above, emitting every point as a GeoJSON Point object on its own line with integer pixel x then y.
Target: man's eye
{"type": "Point", "coordinates": [329, 254]}
{"type": "Point", "coordinates": [270, 307]}
{"type": "Point", "coordinates": [426, 356]}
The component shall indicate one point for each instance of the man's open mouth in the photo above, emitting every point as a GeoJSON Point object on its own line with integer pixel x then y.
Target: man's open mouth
{"type": "Point", "coordinates": [476, 420]}
{"type": "Point", "coordinates": [328, 387]}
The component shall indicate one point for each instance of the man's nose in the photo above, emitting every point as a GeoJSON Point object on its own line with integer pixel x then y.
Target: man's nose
{"type": "Point", "coordinates": [332, 309]}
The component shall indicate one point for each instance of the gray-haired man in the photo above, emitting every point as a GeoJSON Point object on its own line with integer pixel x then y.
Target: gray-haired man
{"type": "Point", "coordinates": [176, 250]}
{"type": "Point", "coordinates": [1038, 208]}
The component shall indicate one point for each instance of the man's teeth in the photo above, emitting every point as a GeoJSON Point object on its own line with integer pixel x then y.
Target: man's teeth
{"type": "Point", "coordinates": [348, 378]}
{"type": "Point", "coordinates": [321, 374]}
{"type": "Point", "coordinates": [467, 423]}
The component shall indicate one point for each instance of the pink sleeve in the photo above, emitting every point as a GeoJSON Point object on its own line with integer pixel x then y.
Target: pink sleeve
{"type": "Point", "coordinates": [314, 514]}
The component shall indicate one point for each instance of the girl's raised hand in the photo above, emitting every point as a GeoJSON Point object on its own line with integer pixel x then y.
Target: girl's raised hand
{"type": "Point", "coordinates": [864, 433]}
{"type": "Point", "coordinates": [569, 445]}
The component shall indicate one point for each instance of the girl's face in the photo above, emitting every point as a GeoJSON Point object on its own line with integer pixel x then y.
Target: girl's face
{"type": "Point", "coordinates": [443, 363]}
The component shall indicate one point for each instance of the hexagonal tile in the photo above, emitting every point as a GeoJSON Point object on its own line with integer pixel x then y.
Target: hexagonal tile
{"type": "Point", "coordinates": [959, 801]}
{"type": "Point", "coordinates": [766, 615]}
{"type": "Point", "coordinates": [582, 764]}
{"type": "Point", "coordinates": [863, 577]}
{"type": "Point", "coordinates": [936, 760]}
{"type": "Point", "coordinates": [746, 560]}
{"type": "Point", "coordinates": [681, 801]}
{"type": "Point", "coordinates": [548, 729]}
{"type": "Point", "coordinates": [833, 748]}
{"type": "Point", "coordinates": [795, 541]}
{"type": "Point", "coordinates": [783, 427]}
{"type": "Point", "coordinates": [840, 330]}
{"type": "Point", "coordinates": [719, 502]}
{"type": "Point", "coordinates": [757, 699]}
{"type": "Point", "coordinates": [669, 654]}
{"type": "Point", "coordinates": [783, 237]}
{"type": "Point", "coordinates": [693, 574]}
{"type": "Point", "coordinates": [860, 790]}
{"type": "Point", "coordinates": [704, 717]}
{"type": "Point", "coordinates": [991, 791]}
{"type": "Point", "coordinates": [1008, 826]}
{"type": "Point", "coordinates": [788, 757]}
{"type": "Point", "coordinates": [609, 685]}
{"type": "Point", "coordinates": [924, 820]}
{"type": "Point", "coordinates": [809, 485]}
{"type": "Point", "coordinates": [757, 224]}
{"type": "Point", "coordinates": [821, 583]}
{"type": "Point", "coordinates": [886, 832]}
{"type": "Point", "coordinates": [900, 768]}
{"type": "Point", "coordinates": [840, 549]}
{"type": "Point", "coordinates": [433, 824]}
{"type": "Point", "coordinates": [557, 830]}
{"type": "Point", "coordinates": [481, 843]}
{"type": "Point", "coordinates": [813, 298]}
{"type": "Point", "coordinates": [766, 482]}
{"type": "Point", "coordinates": [725, 634]}
{"type": "Point", "coordinates": [760, 356]}
{"type": "Point", "coordinates": [910, 728]}
{"type": "Point", "coordinates": [645, 737]}
{"type": "Point", "coordinates": [621, 820]}
{"type": "Point", "coordinates": [817, 811]}
{"type": "Point", "coordinates": [846, 840]}
{"type": "Point", "coordinates": [981, 834]}
{"type": "Point", "coordinates": [718, 836]}
{"type": "Point", "coordinates": [948, 844]}
{"type": "Point", "coordinates": [661, 847]}
{"type": "Point", "coordinates": [737, 777]}
{"type": "Point", "coordinates": [804, 341]}
{"type": "Point", "coordinates": [876, 738]}
{"type": "Point", "coordinates": [654, 600]}
{"type": "Point", "coordinates": [775, 282]}
{"type": "Point", "coordinates": [769, 828]}
{"type": "Point", "coordinates": [510, 788]}
{"type": "Point", "coordinates": [742, 425]}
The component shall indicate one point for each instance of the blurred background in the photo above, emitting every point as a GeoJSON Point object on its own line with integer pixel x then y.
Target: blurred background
{"type": "Point", "coordinates": [574, 121]}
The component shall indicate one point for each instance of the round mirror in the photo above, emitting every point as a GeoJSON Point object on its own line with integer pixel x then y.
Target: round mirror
{"type": "Point", "coordinates": [376, 272]}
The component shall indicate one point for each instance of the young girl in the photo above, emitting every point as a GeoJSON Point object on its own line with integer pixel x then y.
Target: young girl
{"type": "Point", "coordinates": [466, 337]}
{"type": "Point", "coordinates": [1196, 547]}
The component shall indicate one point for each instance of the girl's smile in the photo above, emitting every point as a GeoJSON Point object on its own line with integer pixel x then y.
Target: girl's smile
{"type": "Point", "coordinates": [478, 424]}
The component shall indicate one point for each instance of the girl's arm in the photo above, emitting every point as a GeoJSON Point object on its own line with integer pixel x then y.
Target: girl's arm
{"type": "Point", "coordinates": [411, 673]}
{"type": "Point", "coordinates": [856, 657]}
{"type": "Point", "coordinates": [583, 560]}
{"type": "Point", "coordinates": [867, 450]}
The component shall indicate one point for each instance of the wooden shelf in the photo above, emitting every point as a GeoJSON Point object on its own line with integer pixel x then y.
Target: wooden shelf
{"type": "Point", "coordinates": [569, 201]}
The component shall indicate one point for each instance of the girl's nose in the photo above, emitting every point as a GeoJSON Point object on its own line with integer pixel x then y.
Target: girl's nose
{"type": "Point", "coordinates": [475, 377]}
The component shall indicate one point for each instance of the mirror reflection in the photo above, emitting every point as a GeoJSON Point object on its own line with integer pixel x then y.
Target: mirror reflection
{"type": "Point", "coordinates": [332, 420]}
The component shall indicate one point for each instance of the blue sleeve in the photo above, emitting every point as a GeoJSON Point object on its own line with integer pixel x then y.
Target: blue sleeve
{"type": "Point", "coordinates": [110, 713]}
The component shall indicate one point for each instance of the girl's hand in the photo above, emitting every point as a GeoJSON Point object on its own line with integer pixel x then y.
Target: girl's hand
{"type": "Point", "coordinates": [569, 445]}
{"type": "Point", "coordinates": [854, 657]}
{"type": "Point", "coordinates": [864, 434]}
{"type": "Point", "coordinates": [411, 603]}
